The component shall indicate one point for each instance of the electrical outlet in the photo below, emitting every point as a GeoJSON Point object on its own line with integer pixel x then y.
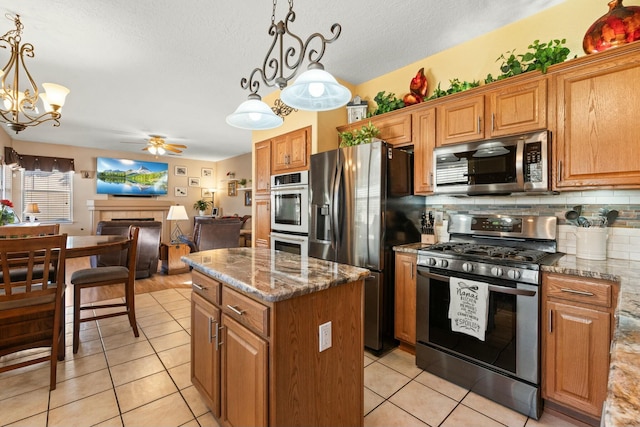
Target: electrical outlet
{"type": "Point", "coordinates": [438, 217]}
{"type": "Point", "coordinates": [324, 333]}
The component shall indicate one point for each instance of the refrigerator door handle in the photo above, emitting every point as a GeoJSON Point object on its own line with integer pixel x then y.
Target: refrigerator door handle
{"type": "Point", "coordinates": [335, 200]}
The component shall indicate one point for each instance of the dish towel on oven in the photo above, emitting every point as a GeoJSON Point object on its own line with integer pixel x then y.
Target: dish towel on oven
{"type": "Point", "coordinates": [469, 306]}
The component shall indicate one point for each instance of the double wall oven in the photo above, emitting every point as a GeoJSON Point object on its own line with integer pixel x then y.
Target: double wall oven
{"type": "Point", "coordinates": [290, 212]}
{"type": "Point", "coordinates": [505, 253]}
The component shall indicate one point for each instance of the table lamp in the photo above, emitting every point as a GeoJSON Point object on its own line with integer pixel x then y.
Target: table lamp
{"type": "Point", "coordinates": [177, 213]}
{"type": "Point", "coordinates": [32, 208]}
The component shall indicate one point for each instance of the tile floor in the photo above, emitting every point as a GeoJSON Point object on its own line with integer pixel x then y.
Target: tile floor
{"type": "Point", "coordinates": [116, 379]}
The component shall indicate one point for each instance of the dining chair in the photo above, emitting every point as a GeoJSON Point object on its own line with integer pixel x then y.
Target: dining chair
{"type": "Point", "coordinates": [31, 310]}
{"type": "Point", "coordinates": [8, 231]}
{"type": "Point", "coordinates": [104, 276]}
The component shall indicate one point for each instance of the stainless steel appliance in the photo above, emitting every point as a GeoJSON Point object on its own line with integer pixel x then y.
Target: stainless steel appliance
{"type": "Point", "coordinates": [515, 164]}
{"type": "Point", "coordinates": [506, 253]}
{"type": "Point", "coordinates": [290, 202]}
{"type": "Point", "coordinates": [293, 243]}
{"type": "Point", "coordinates": [361, 206]}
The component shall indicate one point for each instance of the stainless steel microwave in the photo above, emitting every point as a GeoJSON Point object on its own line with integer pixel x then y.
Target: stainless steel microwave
{"type": "Point", "coordinates": [516, 164]}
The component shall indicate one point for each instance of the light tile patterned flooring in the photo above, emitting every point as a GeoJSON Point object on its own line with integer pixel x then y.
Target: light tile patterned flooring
{"type": "Point", "coordinates": [116, 379]}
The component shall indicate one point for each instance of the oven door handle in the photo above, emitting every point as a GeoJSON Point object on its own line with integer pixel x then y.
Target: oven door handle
{"type": "Point", "coordinates": [287, 189]}
{"type": "Point", "coordinates": [492, 288]}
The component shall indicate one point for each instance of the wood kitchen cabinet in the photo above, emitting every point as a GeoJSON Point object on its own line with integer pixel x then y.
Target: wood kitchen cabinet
{"type": "Point", "coordinates": [262, 221]}
{"type": "Point", "coordinates": [257, 363]}
{"type": "Point", "coordinates": [290, 152]}
{"type": "Point", "coordinates": [504, 109]}
{"type": "Point", "coordinates": [577, 325]}
{"type": "Point", "coordinates": [424, 131]}
{"type": "Point", "coordinates": [596, 140]}
{"type": "Point", "coordinates": [263, 167]}
{"type": "Point", "coordinates": [405, 300]}
{"type": "Point", "coordinates": [395, 127]}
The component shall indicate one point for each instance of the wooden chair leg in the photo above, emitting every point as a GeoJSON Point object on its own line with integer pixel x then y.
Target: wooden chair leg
{"type": "Point", "coordinates": [76, 318]}
{"type": "Point", "coordinates": [130, 297]}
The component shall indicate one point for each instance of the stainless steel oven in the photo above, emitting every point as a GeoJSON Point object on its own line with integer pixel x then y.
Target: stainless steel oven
{"type": "Point", "coordinates": [503, 252]}
{"type": "Point", "coordinates": [293, 243]}
{"type": "Point", "coordinates": [290, 202]}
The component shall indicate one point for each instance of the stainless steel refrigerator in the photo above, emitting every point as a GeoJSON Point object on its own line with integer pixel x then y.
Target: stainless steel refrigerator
{"type": "Point", "coordinates": [361, 205]}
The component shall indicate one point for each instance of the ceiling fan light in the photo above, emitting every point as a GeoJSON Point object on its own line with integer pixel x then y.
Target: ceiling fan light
{"type": "Point", "coordinates": [253, 114]}
{"type": "Point", "coordinates": [161, 151]}
{"type": "Point", "coordinates": [153, 149]}
{"type": "Point", "coordinates": [315, 90]}
{"type": "Point", "coordinates": [56, 94]}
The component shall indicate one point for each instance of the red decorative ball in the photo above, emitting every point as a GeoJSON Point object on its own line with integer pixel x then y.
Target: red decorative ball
{"type": "Point", "coordinates": [619, 26]}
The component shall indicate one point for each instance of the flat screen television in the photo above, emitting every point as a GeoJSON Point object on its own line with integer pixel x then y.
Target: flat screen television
{"type": "Point", "coordinates": [123, 177]}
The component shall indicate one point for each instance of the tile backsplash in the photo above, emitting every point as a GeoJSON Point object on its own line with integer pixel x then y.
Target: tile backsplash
{"type": "Point", "coordinates": [623, 240]}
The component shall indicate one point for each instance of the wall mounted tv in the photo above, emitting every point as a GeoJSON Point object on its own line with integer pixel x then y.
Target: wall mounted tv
{"type": "Point", "coordinates": [122, 177]}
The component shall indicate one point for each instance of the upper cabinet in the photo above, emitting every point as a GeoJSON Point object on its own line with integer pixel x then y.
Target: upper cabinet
{"type": "Point", "coordinates": [507, 109]}
{"type": "Point", "coordinates": [290, 152]}
{"type": "Point", "coordinates": [395, 127]}
{"type": "Point", "coordinates": [424, 131]}
{"type": "Point", "coordinates": [596, 140]}
{"type": "Point", "coordinates": [263, 167]}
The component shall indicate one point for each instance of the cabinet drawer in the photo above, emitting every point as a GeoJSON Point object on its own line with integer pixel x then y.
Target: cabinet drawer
{"type": "Point", "coordinates": [206, 287]}
{"type": "Point", "coordinates": [579, 289]}
{"type": "Point", "coordinates": [245, 310]}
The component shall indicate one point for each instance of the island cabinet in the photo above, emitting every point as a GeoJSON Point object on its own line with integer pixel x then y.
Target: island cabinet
{"type": "Point", "coordinates": [258, 363]}
{"type": "Point", "coordinates": [263, 168]}
{"type": "Point", "coordinates": [405, 300]}
{"type": "Point", "coordinates": [395, 127]}
{"type": "Point", "coordinates": [290, 152]}
{"type": "Point", "coordinates": [596, 140]}
{"type": "Point", "coordinates": [577, 325]}
{"type": "Point", "coordinates": [502, 109]}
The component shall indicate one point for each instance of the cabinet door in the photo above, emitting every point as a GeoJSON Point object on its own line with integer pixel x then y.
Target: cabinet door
{"type": "Point", "coordinates": [598, 127]}
{"type": "Point", "coordinates": [280, 148]}
{"type": "Point", "coordinates": [576, 356]}
{"type": "Point", "coordinates": [290, 152]}
{"type": "Point", "coordinates": [395, 127]}
{"type": "Point", "coordinates": [424, 123]}
{"type": "Point", "coordinates": [205, 356]}
{"type": "Point", "coordinates": [298, 149]}
{"type": "Point", "coordinates": [244, 376]}
{"type": "Point", "coordinates": [461, 120]}
{"type": "Point", "coordinates": [263, 167]}
{"type": "Point", "coordinates": [405, 298]}
{"type": "Point", "coordinates": [262, 222]}
{"type": "Point", "coordinates": [518, 108]}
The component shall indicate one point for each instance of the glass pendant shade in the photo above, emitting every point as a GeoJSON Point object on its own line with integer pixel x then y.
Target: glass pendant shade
{"type": "Point", "coordinates": [315, 90]}
{"type": "Point", "coordinates": [253, 114]}
{"type": "Point", "coordinates": [55, 93]}
{"type": "Point", "coordinates": [619, 26]}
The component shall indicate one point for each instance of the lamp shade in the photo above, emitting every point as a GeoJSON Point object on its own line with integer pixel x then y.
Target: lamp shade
{"type": "Point", "coordinates": [177, 213]}
{"type": "Point", "coordinates": [56, 93]}
{"type": "Point", "coordinates": [253, 114]}
{"type": "Point", "coordinates": [32, 208]}
{"type": "Point", "coordinates": [315, 90]}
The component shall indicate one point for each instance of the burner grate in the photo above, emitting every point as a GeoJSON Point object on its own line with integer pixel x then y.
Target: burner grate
{"type": "Point", "coordinates": [489, 251]}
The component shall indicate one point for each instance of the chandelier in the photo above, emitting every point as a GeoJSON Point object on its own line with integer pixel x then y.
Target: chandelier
{"type": "Point", "coordinates": [314, 90]}
{"type": "Point", "coordinates": [18, 108]}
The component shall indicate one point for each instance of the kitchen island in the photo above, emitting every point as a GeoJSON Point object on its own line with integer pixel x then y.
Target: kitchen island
{"type": "Point", "coordinates": [277, 339]}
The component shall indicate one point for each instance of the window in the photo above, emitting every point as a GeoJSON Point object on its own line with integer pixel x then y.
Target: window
{"type": "Point", "coordinates": [52, 191]}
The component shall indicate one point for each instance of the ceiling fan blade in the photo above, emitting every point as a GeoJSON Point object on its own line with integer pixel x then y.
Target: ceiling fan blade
{"type": "Point", "coordinates": [175, 150]}
{"type": "Point", "coordinates": [146, 148]}
{"type": "Point", "coordinates": [176, 145]}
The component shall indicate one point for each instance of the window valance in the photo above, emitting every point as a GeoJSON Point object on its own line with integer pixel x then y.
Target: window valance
{"type": "Point", "coordinates": [34, 163]}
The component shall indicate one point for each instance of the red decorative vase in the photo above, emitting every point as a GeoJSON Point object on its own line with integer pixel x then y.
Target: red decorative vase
{"type": "Point", "coordinates": [619, 26]}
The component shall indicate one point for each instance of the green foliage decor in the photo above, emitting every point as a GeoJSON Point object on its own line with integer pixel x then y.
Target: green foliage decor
{"type": "Point", "coordinates": [541, 57]}
{"type": "Point", "coordinates": [386, 103]}
{"type": "Point", "coordinates": [201, 205]}
{"type": "Point", "coordinates": [455, 86]}
{"type": "Point", "coordinates": [364, 135]}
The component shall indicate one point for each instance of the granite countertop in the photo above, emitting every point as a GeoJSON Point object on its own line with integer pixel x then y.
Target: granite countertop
{"type": "Point", "coordinates": [272, 275]}
{"type": "Point", "coordinates": [622, 406]}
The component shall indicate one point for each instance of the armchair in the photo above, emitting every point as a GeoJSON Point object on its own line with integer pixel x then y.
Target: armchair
{"type": "Point", "coordinates": [210, 233]}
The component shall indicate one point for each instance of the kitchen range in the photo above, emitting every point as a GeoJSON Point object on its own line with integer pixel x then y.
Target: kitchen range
{"type": "Point", "coordinates": [478, 299]}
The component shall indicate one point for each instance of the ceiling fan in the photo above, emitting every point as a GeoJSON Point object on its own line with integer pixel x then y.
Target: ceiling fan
{"type": "Point", "coordinates": [157, 145]}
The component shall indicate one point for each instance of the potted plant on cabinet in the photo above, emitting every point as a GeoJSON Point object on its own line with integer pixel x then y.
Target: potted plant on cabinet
{"type": "Point", "coordinates": [201, 206]}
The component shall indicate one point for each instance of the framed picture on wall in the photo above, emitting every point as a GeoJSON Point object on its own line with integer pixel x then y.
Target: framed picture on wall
{"type": "Point", "coordinates": [194, 182]}
{"type": "Point", "coordinates": [232, 188]}
{"type": "Point", "coordinates": [206, 193]}
{"type": "Point", "coordinates": [247, 198]}
{"type": "Point", "coordinates": [180, 171]}
{"type": "Point", "coordinates": [207, 172]}
{"type": "Point", "coordinates": [180, 192]}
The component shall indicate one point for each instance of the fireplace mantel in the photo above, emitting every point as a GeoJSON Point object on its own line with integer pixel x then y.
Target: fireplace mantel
{"type": "Point", "coordinates": [105, 210]}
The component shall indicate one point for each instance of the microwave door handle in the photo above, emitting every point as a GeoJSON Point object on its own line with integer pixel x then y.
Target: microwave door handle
{"type": "Point", "coordinates": [520, 164]}
{"type": "Point", "coordinates": [492, 288]}
{"type": "Point", "coordinates": [288, 189]}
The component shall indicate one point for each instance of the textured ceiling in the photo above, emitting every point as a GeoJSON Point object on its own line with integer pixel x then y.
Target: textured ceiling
{"type": "Point", "coordinates": [139, 67]}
